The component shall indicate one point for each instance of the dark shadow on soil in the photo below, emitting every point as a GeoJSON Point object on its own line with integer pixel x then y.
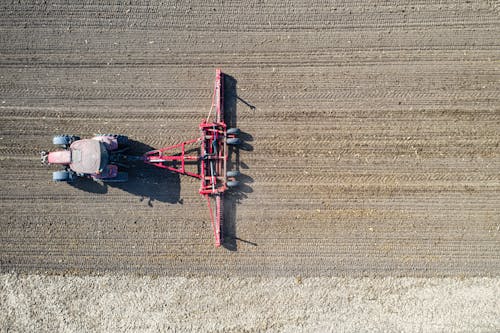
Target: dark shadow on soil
{"type": "Point", "coordinates": [145, 181]}
{"type": "Point", "coordinates": [235, 196]}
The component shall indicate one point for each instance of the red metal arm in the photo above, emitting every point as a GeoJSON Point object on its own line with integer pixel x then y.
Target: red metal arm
{"type": "Point", "coordinates": [158, 158]}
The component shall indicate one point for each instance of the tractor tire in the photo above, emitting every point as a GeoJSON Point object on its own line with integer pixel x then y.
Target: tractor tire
{"type": "Point", "coordinates": [62, 176]}
{"type": "Point", "coordinates": [233, 173]}
{"type": "Point", "coordinates": [234, 141]}
{"type": "Point", "coordinates": [232, 183]}
{"type": "Point", "coordinates": [64, 140]}
{"type": "Point", "coordinates": [233, 131]}
{"type": "Point", "coordinates": [121, 139]}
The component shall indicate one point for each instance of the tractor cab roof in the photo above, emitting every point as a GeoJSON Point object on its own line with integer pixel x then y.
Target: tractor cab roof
{"type": "Point", "coordinates": [88, 156]}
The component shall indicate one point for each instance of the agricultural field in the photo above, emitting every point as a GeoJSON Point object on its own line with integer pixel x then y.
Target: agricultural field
{"type": "Point", "coordinates": [371, 129]}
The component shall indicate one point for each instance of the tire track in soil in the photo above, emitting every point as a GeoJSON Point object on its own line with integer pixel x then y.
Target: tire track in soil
{"type": "Point", "coordinates": [375, 136]}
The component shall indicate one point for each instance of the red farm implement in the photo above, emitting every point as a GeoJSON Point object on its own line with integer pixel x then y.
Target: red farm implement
{"type": "Point", "coordinates": [213, 174]}
{"type": "Point", "coordinates": [99, 158]}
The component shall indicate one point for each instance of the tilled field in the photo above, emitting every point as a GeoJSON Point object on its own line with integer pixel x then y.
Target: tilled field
{"type": "Point", "coordinates": [372, 136]}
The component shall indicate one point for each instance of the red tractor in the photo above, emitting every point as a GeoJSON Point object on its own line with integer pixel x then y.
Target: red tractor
{"type": "Point", "coordinates": [99, 158]}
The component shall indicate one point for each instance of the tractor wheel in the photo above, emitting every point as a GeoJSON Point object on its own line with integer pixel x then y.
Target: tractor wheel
{"type": "Point", "coordinates": [121, 139]}
{"type": "Point", "coordinates": [232, 183]}
{"type": "Point", "coordinates": [64, 140]}
{"type": "Point", "coordinates": [62, 176]}
{"type": "Point", "coordinates": [233, 131]}
{"type": "Point", "coordinates": [233, 173]}
{"type": "Point", "coordinates": [234, 141]}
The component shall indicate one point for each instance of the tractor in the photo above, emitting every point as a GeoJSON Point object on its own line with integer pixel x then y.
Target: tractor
{"type": "Point", "coordinates": [97, 158]}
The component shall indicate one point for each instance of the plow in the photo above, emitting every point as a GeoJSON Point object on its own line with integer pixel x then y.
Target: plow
{"type": "Point", "coordinates": [103, 157]}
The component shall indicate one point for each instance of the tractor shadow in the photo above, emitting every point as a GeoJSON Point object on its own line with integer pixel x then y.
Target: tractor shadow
{"type": "Point", "coordinates": [147, 182]}
{"type": "Point", "coordinates": [235, 196]}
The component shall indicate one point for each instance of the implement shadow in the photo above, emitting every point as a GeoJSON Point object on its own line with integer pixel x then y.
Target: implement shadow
{"type": "Point", "coordinates": [236, 195]}
{"type": "Point", "coordinates": [145, 181]}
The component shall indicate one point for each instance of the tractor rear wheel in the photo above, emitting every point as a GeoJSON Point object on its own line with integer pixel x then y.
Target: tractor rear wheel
{"type": "Point", "coordinates": [64, 140]}
{"type": "Point", "coordinates": [121, 139]}
{"type": "Point", "coordinates": [62, 176]}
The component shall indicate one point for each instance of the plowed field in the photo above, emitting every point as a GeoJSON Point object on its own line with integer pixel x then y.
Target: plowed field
{"type": "Point", "coordinates": [372, 136]}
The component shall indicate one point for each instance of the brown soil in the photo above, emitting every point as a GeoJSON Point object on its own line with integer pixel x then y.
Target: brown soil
{"type": "Point", "coordinates": [372, 136]}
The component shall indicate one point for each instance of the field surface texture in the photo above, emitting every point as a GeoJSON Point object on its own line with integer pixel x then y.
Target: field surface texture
{"type": "Point", "coordinates": [179, 304]}
{"type": "Point", "coordinates": [371, 129]}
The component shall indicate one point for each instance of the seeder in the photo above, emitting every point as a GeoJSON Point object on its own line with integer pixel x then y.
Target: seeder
{"type": "Point", "coordinates": [99, 158]}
